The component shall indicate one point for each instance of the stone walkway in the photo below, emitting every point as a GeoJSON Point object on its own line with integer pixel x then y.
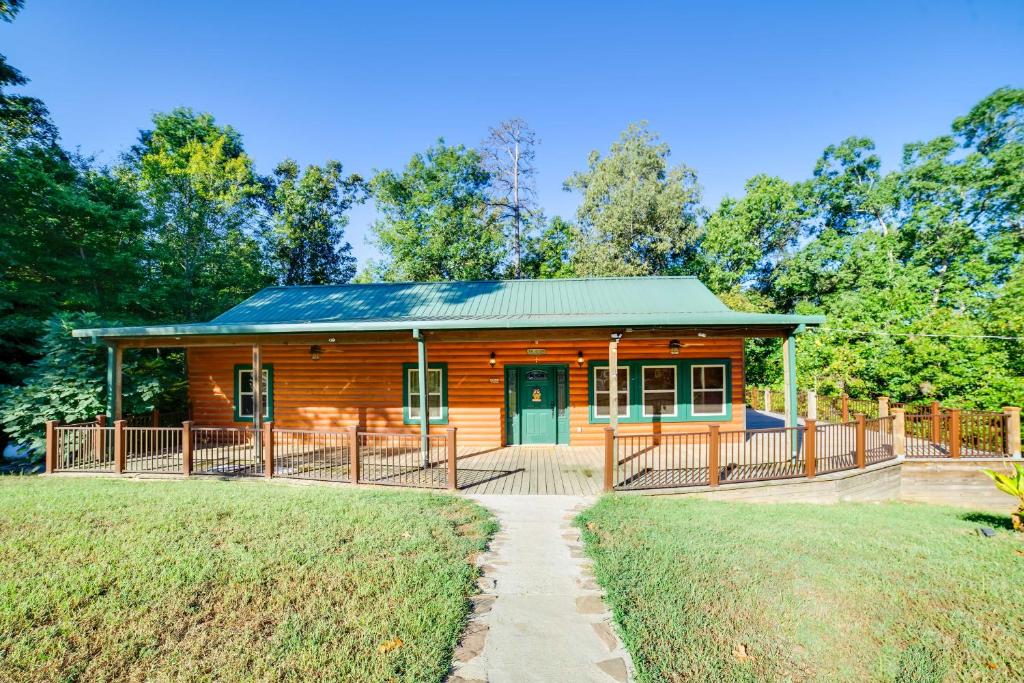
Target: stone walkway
{"type": "Point", "coordinates": [540, 616]}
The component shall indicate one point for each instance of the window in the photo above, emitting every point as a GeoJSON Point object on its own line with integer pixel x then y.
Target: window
{"type": "Point", "coordinates": [659, 390]}
{"type": "Point", "coordinates": [244, 397]}
{"type": "Point", "coordinates": [602, 393]}
{"type": "Point", "coordinates": [708, 390]}
{"type": "Point", "coordinates": [437, 393]}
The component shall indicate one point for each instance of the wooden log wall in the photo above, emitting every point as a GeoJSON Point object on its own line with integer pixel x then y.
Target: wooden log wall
{"type": "Point", "coordinates": [362, 384]}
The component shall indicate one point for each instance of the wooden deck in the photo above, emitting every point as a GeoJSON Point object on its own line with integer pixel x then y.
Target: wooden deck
{"type": "Point", "coordinates": [532, 470]}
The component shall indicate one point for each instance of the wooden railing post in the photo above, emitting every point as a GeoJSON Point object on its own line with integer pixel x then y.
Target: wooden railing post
{"type": "Point", "coordinates": [767, 400]}
{"type": "Point", "coordinates": [609, 458]}
{"type": "Point", "coordinates": [99, 438]}
{"type": "Point", "coordinates": [899, 432]}
{"type": "Point", "coordinates": [119, 426]}
{"type": "Point", "coordinates": [936, 414]}
{"type": "Point", "coordinates": [862, 461]}
{"type": "Point", "coordinates": [845, 407]}
{"type": "Point", "coordinates": [156, 417]}
{"type": "Point", "coordinates": [714, 448]}
{"type": "Point", "coordinates": [1012, 420]}
{"type": "Point", "coordinates": [452, 448]}
{"type": "Point", "coordinates": [883, 406]}
{"type": "Point", "coordinates": [810, 449]}
{"type": "Point", "coordinates": [186, 448]}
{"type": "Point", "coordinates": [268, 449]}
{"type": "Point", "coordinates": [51, 446]}
{"type": "Point", "coordinates": [353, 454]}
{"type": "Point", "coordinates": [954, 432]}
{"type": "Point", "coordinates": [812, 405]}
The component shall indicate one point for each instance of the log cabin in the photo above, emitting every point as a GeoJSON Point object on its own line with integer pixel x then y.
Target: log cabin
{"type": "Point", "coordinates": [550, 362]}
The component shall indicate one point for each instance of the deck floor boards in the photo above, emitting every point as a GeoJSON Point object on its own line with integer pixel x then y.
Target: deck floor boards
{"type": "Point", "coordinates": [531, 470]}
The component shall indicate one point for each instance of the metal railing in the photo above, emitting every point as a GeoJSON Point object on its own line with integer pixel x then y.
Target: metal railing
{"type": "Point", "coordinates": [307, 454]}
{"type": "Point", "coordinates": [761, 454]}
{"type": "Point", "coordinates": [648, 461]}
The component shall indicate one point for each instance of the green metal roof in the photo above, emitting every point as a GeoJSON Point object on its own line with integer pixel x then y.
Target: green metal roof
{"type": "Point", "coordinates": [592, 302]}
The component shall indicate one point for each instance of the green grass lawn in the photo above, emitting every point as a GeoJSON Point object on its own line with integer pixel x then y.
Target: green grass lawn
{"type": "Point", "coordinates": [706, 591]}
{"type": "Point", "coordinates": [105, 580]}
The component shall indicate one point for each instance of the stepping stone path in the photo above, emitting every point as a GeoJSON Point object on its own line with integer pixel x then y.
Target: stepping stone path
{"type": "Point", "coordinates": [540, 615]}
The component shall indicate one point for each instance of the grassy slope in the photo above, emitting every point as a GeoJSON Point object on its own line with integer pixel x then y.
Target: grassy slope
{"type": "Point", "coordinates": [204, 580]}
{"type": "Point", "coordinates": [842, 593]}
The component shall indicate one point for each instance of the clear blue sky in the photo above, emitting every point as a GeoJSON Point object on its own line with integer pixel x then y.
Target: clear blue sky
{"type": "Point", "coordinates": [736, 88]}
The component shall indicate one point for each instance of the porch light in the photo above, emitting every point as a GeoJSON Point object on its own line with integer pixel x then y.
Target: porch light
{"type": "Point", "coordinates": [314, 352]}
{"type": "Point", "coordinates": [673, 347]}
{"type": "Point", "coordinates": [702, 334]}
{"type": "Point", "coordinates": [579, 358]}
{"type": "Point", "coordinates": [492, 360]}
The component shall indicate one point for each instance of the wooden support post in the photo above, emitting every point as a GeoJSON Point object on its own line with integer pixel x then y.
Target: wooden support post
{"type": "Point", "coordinates": [257, 400]}
{"type": "Point", "coordinates": [812, 405]}
{"type": "Point", "coordinates": [767, 399]}
{"type": "Point", "coordinates": [862, 461]}
{"type": "Point", "coordinates": [51, 446]}
{"type": "Point", "coordinates": [119, 426]}
{"type": "Point", "coordinates": [453, 455]}
{"type": "Point", "coordinates": [954, 432]}
{"type": "Point", "coordinates": [186, 448]}
{"type": "Point", "coordinates": [936, 430]}
{"type": "Point", "coordinates": [155, 417]}
{"type": "Point", "coordinates": [99, 440]}
{"type": "Point", "coordinates": [810, 448]}
{"type": "Point", "coordinates": [1012, 419]}
{"type": "Point", "coordinates": [268, 449]}
{"type": "Point", "coordinates": [613, 383]}
{"type": "Point", "coordinates": [845, 409]}
{"type": "Point", "coordinates": [883, 406]}
{"type": "Point", "coordinates": [114, 358]}
{"type": "Point", "coordinates": [609, 458]}
{"type": "Point", "coordinates": [899, 432]}
{"type": "Point", "coordinates": [714, 449]}
{"type": "Point", "coordinates": [353, 454]}
{"type": "Point", "coordinates": [422, 370]}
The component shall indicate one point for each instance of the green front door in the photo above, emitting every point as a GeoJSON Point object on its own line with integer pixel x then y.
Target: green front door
{"type": "Point", "coordinates": [537, 404]}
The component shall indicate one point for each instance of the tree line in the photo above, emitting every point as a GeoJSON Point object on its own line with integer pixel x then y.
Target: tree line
{"type": "Point", "coordinates": [919, 269]}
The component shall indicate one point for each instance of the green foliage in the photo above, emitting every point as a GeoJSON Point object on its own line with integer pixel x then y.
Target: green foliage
{"type": "Point", "coordinates": [913, 269]}
{"type": "Point", "coordinates": [308, 211]}
{"type": "Point", "coordinates": [202, 196]}
{"type": "Point", "coordinates": [1012, 484]}
{"type": "Point", "coordinates": [435, 222]}
{"type": "Point", "coordinates": [71, 238]}
{"type": "Point", "coordinates": [68, 382]}
{"type": "Point", "coordinates": [639, 215]}
{"type": "Point", "coordinates": [550, 254]}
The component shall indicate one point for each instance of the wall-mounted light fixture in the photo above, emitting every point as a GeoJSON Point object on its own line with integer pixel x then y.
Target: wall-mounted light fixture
{"type": "Point", "coordinates": [579, 358]}
{"type": "Point", "coordinates": [314, 352]}
{"type": "Point", "coordinates": [331, 339]}
{"type": "Point", "coordinates": [702, 334]}
{"type": "Point", "coordinates": [493, 361]}
{"type": "Point", "coordinates": [673, 347]}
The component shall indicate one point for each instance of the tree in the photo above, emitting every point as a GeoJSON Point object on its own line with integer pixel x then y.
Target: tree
{"type": "Point", "coordinates": [508, 155]}
{"type": "Point", "coordinates": [22, 118]}
{"type": "Point", "coordinates": [308, 213]}
{"type": "Point", "coordinates": [849, 188]}
{"type": "Point", "coordinates": [550, 254]}
{"type": "Point", "coordinates": [435, 222]}
{"type": "Point", "coordinates": [744, 238]}
{"type": "Point", "coordinates": [68, 382]}
{"type": "Point", "coordinates": [202, 196]}
{"type": "Point", "coordinates": [639, 216]}
{"type": "Point", "coordinates": [71, 238]}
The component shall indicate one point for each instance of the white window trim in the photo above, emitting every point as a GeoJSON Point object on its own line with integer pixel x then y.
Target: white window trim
{"type": "Point", "coordinates": [644, 391]}
{"type": "Point", "coordinates": [414, 390]}
{"type": "Point", "coordinates": [724, 390]}
{"type": "Point", "coordinates": [242, 394]}
{"type": "Point", "coordinates": [607, 415]}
